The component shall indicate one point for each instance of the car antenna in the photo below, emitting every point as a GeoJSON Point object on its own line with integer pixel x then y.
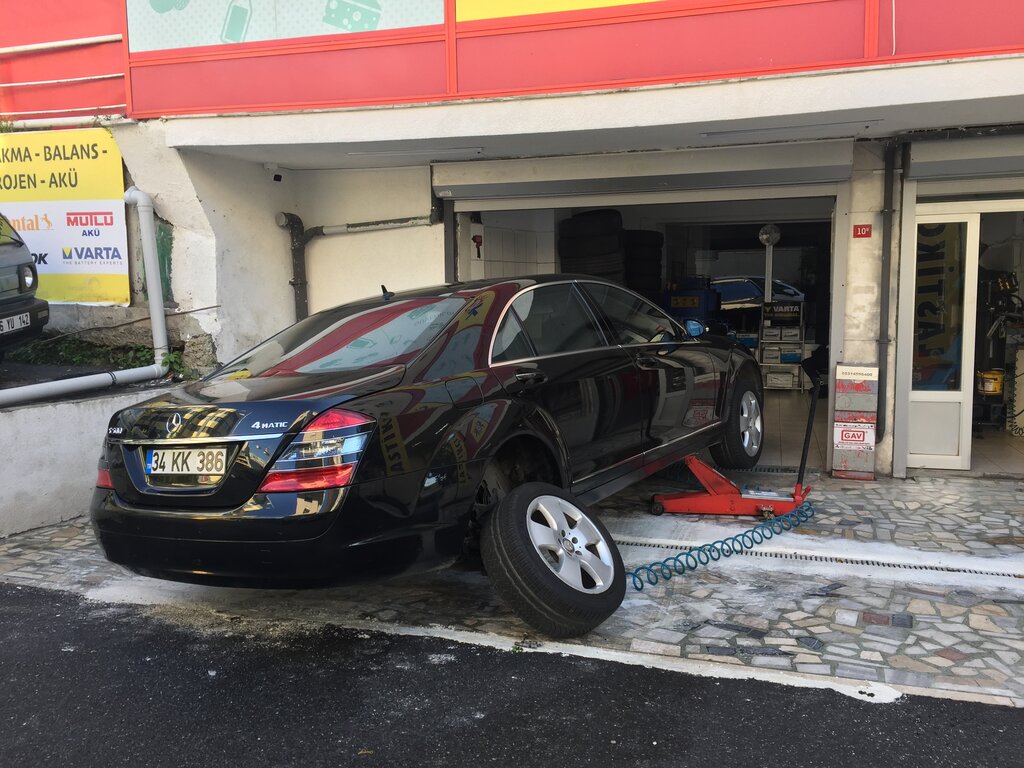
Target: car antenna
{"type": "Point", "coordinates": [388, 295]}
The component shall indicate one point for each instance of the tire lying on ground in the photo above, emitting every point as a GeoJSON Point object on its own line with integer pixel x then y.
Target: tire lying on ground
{"type": "Point", "coordinates": [552, 561]}
{"type": "Point", "coordinates": [743, 437]}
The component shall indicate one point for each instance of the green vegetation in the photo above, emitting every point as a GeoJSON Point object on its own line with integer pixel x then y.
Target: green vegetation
{"type": "Point", "coordinates": [72, 350]}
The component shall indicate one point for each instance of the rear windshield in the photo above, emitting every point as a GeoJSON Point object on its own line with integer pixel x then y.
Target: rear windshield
{"type": "Point", "coordinates": [347, 338]}
{"type": "Point", "coordinates": [7, 234]}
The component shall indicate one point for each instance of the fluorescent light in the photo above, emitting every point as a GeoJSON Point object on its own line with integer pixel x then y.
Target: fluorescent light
{"type": "Point", "coordinates": [787, 128]}
{"type": "Point", "coordinates": [406, 152]}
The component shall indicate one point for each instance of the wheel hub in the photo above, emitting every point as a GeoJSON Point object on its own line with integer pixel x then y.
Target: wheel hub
{"type": "Point", "coordinates": [751, 426]}
{"type": "Point", "coordinates": [570, 545]}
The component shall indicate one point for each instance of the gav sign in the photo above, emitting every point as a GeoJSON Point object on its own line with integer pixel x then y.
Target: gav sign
{"type": "Point", "coordinates": [853, 436]}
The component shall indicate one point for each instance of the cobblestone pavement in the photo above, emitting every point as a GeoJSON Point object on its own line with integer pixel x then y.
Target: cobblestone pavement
{"type": "Point", "coordinates": [970, 516]}
{"type": "Point", "coordinates": [951, 634]}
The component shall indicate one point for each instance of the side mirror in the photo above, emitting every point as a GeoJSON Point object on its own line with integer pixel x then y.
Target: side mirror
{"type": "Point", "coordinates": [694, 328]}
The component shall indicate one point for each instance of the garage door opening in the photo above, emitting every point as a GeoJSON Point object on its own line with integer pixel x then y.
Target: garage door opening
{"type": "Point", "coordinates": [702, 261]}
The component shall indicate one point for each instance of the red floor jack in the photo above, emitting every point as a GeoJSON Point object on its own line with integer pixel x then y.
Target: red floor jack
{"type": "Point", "coordinates": [721, 496]}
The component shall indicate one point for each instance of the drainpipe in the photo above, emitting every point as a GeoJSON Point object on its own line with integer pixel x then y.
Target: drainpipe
{"type": "Point", "coordinates": [300, 237]}
{"type": "Point", "coordinates": [892, 149]}
{"type": "Point", "coordinates": [144, 203]}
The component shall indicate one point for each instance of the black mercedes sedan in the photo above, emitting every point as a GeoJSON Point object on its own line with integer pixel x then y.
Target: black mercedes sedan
{"type": "Point", "coordinates": [410, 430]}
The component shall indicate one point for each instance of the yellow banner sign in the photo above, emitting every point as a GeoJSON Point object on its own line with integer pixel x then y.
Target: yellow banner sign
{"type": "Point", "coordinates": [64, 193]}
{"type": "Point", "coordinates": [475, 10]}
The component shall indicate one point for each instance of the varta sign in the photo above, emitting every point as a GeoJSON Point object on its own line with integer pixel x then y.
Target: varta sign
{"type": "Point", "coordinates": [86, 253]}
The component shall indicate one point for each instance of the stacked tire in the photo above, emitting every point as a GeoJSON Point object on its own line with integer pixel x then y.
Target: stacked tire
{"type": "Point", "coordinates": [643, 250]}
{"type": "Point", "coordinates": [591, 243]}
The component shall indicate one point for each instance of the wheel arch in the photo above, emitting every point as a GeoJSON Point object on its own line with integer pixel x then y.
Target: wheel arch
{"type": "Point", "coordinates": [523, 439]}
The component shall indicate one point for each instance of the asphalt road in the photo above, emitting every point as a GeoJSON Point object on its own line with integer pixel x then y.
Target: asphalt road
{"type": "Point", "coordinates": [88, 684]}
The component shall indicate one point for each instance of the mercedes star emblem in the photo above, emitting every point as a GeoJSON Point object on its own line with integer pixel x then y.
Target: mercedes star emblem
{"type": "Point", "coordinates": [174, 422]}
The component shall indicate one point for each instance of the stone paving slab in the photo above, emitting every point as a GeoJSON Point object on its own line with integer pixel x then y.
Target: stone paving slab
{"type": "Point", "coordinates": [934, 639]}
{"type": "Point", "coordinates": [967, 516]}
{"type": "Point", "coordinates": [938, 637]}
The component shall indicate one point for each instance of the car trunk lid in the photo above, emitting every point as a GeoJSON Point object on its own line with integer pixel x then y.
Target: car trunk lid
{"type": "Point", "coordinates": [210, 444]}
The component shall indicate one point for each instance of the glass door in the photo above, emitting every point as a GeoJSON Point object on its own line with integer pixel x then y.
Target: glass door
{"type": "Point", "coordinates": [941, 350]}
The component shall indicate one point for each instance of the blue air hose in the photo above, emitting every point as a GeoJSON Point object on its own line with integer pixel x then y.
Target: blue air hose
{"type": "Point", "coordinates": [695, 557]}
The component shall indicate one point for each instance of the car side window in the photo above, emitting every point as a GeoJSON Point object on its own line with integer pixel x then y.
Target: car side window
{"type": "Point", "coordinates": [634, 320]}
{"type": "Point", "coordinates": [556, 320]}
{"type": "Point", "coordinates": [8, 236]}
{"type": "Point", "coordinates": [733, 290]}
{"type": "Point", "coordinates": [510, 343]}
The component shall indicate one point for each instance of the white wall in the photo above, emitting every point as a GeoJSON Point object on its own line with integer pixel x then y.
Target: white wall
{"type": "Point", "coordinates": [252, 258]}
{"type": "Point", "coordinates": [160, 172]}
{"type": "Point", "coordinates": [46, 481]}
{"type": "Point", "coordinates": [515, 243]}
{"type": "Point", "coordinates": [229, 251]}
{"type": "Point", "coordinates": [351, 266]}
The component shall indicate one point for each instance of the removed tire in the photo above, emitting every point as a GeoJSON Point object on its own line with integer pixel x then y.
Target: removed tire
{"type": "Point", "coordinates": [552, 561]}
{"type": "Point", "coordinates": [643, 269]}
{"type": "Point", "coordinates": [647, 238]}
{"type": "Point", "coordinates": [590, 265]}
{"type": "Point", "coordinates": [744, 430]}
{"type": "Point", "coordinates": [588, 247]}
{"type": "Point", "coordinates": [604, 221]}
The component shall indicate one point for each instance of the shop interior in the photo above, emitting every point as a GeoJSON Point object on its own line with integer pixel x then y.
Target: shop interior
{"type": "Point", "coordinates": [706, 261]}
{"type": "Point", "coordinates": [998, 415]}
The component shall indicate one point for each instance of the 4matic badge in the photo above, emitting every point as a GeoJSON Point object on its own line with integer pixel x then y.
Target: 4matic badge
{"type": "Point", "coordinates": [269, 425]}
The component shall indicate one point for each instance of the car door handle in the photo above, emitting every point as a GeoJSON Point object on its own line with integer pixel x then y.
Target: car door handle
{"type": "Point", "coordinates": [530, 377]}
{"type": "Point", "coordinates": [647, 361]}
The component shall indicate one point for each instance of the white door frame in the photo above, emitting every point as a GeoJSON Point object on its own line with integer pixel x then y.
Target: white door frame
{"type": "Point", "coordinates": [947, 211]}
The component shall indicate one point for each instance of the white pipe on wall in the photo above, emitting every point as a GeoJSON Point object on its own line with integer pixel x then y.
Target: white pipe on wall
{"type": "Point", "coordinates": [82, 121]}
{"type": "Point", "coordinates": [63, 80]}
{"type": "Point", "coordinates": [151, 262]}
{"type": "Point", "coordinates": [56, 45]}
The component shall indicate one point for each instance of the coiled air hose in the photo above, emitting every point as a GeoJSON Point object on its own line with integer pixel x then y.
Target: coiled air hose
{"type": "Point", "coordinates": [695, 557]}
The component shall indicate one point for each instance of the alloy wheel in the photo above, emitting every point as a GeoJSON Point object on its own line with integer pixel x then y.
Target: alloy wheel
{"type": "Point", "coordinates": [570, 544]}
{"type": "Point", "coordinates": [751, 423]}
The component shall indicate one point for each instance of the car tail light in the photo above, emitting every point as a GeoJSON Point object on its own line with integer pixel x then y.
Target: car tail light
{"type": "Point", "coordinates": [103, 479]}
{"type": "Point", "coordinates": [323, 455]}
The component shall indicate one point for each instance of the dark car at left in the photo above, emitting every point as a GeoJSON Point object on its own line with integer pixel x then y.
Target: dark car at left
{"type": "Point", "coordinates": [22, 315]}
{"type": "Point", "coordinates": [404, 432]}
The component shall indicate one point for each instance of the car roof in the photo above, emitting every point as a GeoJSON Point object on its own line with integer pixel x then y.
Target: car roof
{"type": "Point", "coordinates": [473, 287]}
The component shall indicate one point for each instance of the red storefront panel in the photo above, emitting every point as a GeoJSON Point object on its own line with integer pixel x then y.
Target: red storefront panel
{"type": "Point", "coordinates": [695, 46]}
{"type": "Point", "coordinates": [26, 22]}
{"type": "Point", "coordinates": [925, 28]}
{"type": "Point", "coordinates": [591, 49]}
{"type": "Point", "coordinates": [26, 87]}
{"type": "Point", "coordinates": [379, 74]}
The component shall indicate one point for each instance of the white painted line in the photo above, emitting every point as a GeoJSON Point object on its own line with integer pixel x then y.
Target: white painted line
{"type": "Point", "coordinates": [129, 591]}
{"type": "Point", "coordinates": [876, 693]}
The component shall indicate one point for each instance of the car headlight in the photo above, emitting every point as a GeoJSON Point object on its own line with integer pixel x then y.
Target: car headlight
{"type": "Point", "coordinates": [28, 277]}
